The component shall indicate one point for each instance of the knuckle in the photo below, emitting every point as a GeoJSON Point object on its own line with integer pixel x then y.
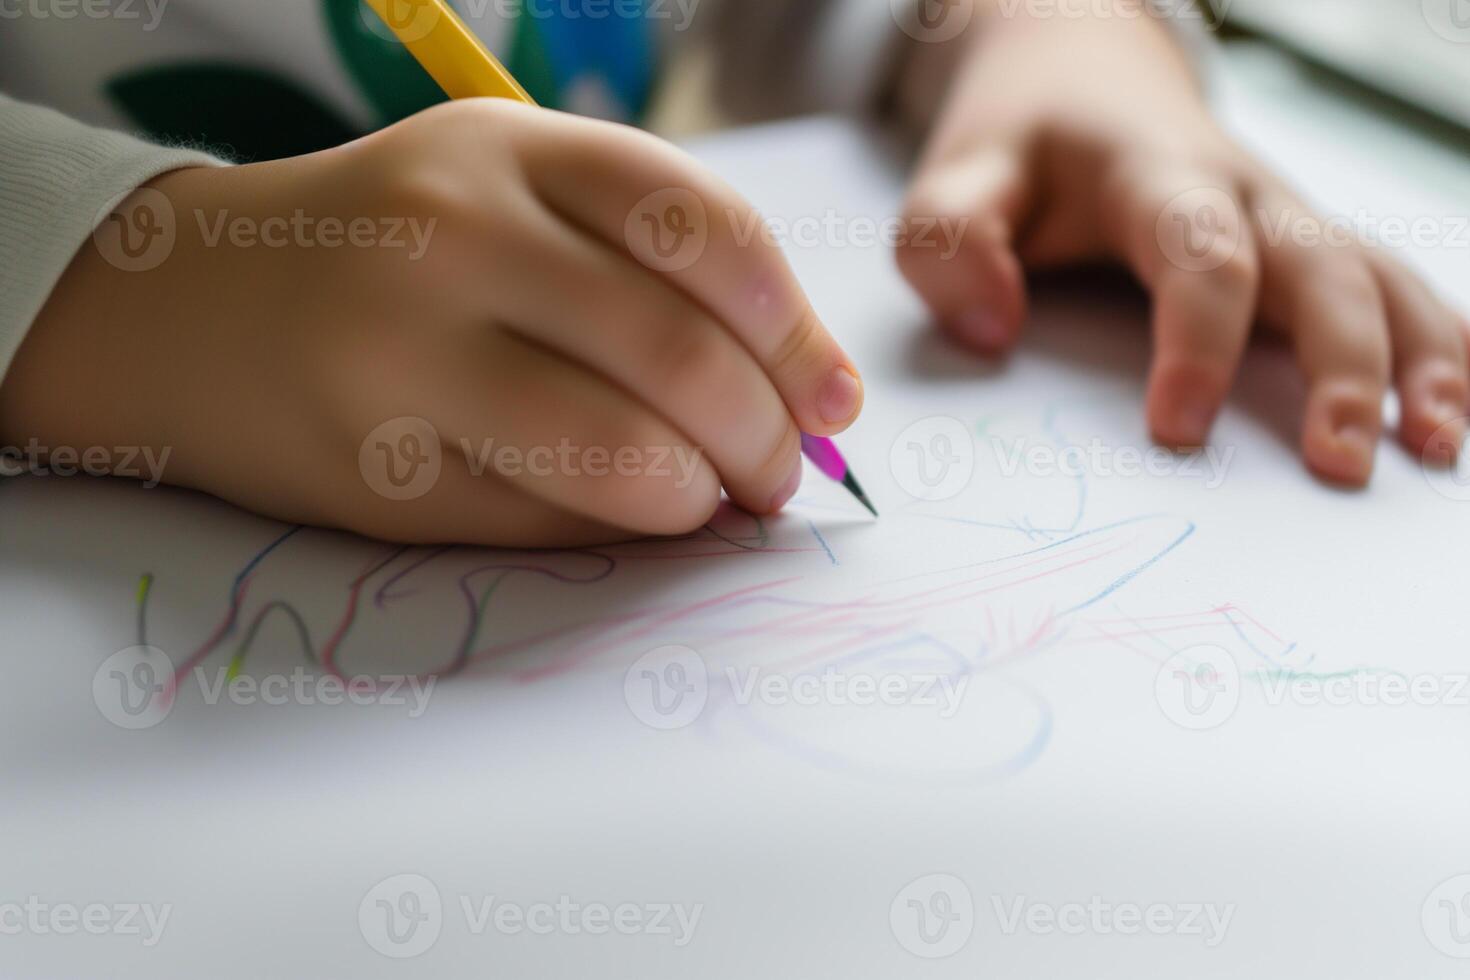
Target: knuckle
{"type": "Point", "coordinates": [489, 115]}
{"type": "Point", "coordinates": [1367, 360]}
{"type": "Point", "coordinates": [1353, 283]}
{"type": "Point", "coordinates": [802, 347]}
{"type": "Point", "coordinates": [1340, 320]}
{"type": "Point", "coordinates": [1447, 379]}
{"type": "Point", "coordinates": [1240, 272]}
{"type": "Point", "coordinates": [684, 351]}
{"type": "Point", "coordinates": [974, 234]}
{"type": "Point", "coordinates": [435, 163]}
{"type": "Point", "coordinates": [1358, 395]}
{"type": "Point", "coordinates": [431, 191]}
{"type": "Point", "coordinates": [654, 164]}
{"type": "Point", "coordinates": [1371, 359]}
{"type": "Point", "coordinates": [1452, 387]}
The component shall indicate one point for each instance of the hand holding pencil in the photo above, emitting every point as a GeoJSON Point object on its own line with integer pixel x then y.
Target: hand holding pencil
{"type": "Point", "coordinates": [455, 345]}
{"type": "Point", "coordinates": [449, 51]}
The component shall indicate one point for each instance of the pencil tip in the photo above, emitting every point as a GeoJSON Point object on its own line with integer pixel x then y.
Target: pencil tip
{"type": "Point", "coordinates": [857, 491]}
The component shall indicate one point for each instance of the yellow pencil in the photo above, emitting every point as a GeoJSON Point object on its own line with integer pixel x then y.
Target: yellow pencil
{"type": "Point", "coordinates": [449, 51]}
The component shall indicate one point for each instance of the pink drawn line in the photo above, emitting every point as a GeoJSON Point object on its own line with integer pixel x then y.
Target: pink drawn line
{"type": "Point", "coordinates": [329, 649]}
{"type": "Point", "coordinates": [514, 646]}
{"type": "Point", "coordinates": [1225, 610]}
{"type": "Point", "coordinates": [1010, 585]}
{"type": "Point", "coordinates": [213, 640]}
{"type": "Point", "coordinates": [582, 655]}
{"type": "Point", "coordinates": [1118, 638]}
{"type": "Point", "coordinates": [820, 613]}
{"type": "Point", "coordinates": [1105, 633]}
{"type": "Point", "coordinates": [803, 658]}
{"type": "Point", "coordinates": [722, 554]}
{"type": "Point", "coordinates": [813, 617]}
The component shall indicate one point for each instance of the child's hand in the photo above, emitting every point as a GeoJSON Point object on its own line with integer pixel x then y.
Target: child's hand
{"type": "Point", "coordinates": [494, 293]}
{"type": "Point", "coordinates": [1066, 141]}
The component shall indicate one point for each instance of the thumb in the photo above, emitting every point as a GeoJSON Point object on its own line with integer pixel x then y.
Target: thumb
{"type": "Point", "coordinates": [959, 254]}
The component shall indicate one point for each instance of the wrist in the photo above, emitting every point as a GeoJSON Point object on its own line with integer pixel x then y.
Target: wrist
{"type": "Point", "coordinates": [1056, 45]}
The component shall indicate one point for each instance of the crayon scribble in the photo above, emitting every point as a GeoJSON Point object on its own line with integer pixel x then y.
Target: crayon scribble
{"type": "Point", "coordinates": [1038, 584]}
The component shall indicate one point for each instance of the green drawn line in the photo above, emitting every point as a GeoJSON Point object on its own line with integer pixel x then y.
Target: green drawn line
{"type": "Point", "coordinates": [1279, 674]}
{"type": "Point", "coordinates": [145, 585]}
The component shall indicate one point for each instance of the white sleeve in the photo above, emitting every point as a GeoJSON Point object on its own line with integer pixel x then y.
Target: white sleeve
{"type": "Point", "coordinates": [58, 178]}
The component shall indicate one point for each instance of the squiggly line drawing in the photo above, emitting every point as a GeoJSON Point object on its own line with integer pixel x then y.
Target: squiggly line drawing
{"type": "Point", "coordinates": [1017, 604]}
{"type": "Point", "coordinates": [529, 563]}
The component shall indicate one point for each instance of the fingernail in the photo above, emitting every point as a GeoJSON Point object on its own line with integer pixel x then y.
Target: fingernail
{"type": "Point", "coordinates": [1439, 399]}
{"type": "Point", "coordinates": [1443, 410]}
{"type": "Point", "coordinates": [839, 396]}
{"type": "Point", "coordinates": [1444, 445]}
{"type": "Point", "coordinates": [1194, 416]}
{"type": "Point", "coordinates": [984, 328]}
{"type": "Point", "coordinates": [788, 489]}
{"type": "Point", "coordinates": [1340, 435]}
{"type": "Point", "coordinates": [1355, 439]}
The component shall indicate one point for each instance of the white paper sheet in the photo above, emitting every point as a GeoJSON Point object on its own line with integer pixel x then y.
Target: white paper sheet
{"type": "Point", "coordinates": [1095, 751]}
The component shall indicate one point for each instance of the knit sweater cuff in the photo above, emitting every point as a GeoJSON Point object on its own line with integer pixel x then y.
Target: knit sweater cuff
{"type": "Point", "coordinates": [58, 179]}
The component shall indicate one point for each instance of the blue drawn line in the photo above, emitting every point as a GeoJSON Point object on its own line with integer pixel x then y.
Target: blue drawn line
{"type": "Point", "coordinates": [1251, 645]}
{"type": "Point", "coordinates": [823, 542]}
{"type": "Point", "coordinates": [260, 556]}
{"type": "Point", "coordinates": [244, 573]}
{"type": "Point", "coordinates": [1134, 573]}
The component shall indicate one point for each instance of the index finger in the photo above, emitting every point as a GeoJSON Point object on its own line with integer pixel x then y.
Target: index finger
{"type": "Point", "coordinates": [649, 199]}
